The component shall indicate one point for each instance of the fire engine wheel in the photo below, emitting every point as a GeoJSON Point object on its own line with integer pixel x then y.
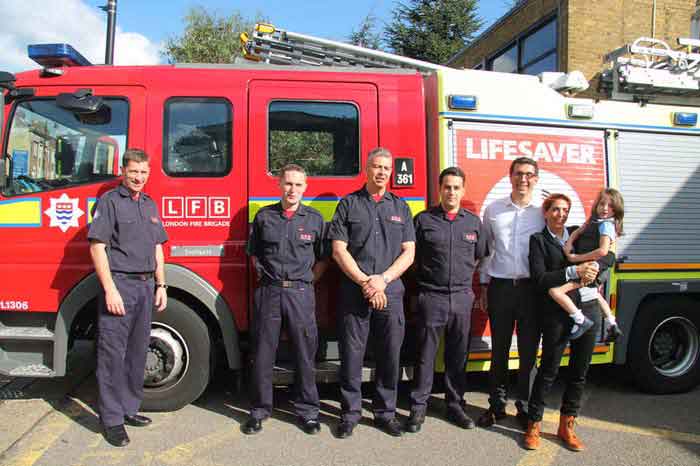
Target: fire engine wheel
{"type": "Point", "coordinates": [664, 351]}
{"type": "Point", "coordinates": [177, 363]}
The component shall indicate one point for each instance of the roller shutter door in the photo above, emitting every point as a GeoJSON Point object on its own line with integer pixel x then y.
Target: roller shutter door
{"type": "Point", "coordinates": [659, 176]}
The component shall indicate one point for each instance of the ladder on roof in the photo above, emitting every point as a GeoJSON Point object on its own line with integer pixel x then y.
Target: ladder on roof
{"type": "Point", "coordinates": [650, 70]}
{"type": "Point", "coordinates": [279, 47]}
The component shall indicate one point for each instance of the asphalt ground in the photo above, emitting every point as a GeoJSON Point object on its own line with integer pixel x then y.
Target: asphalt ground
{"type": "Point", "coordinates": [52, 422]}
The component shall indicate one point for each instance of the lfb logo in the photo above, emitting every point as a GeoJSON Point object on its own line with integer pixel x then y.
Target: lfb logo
{"type": "Point", "coordinates": [196, 207]}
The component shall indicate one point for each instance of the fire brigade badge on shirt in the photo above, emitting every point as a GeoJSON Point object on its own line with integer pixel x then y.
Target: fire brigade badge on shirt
{"type": "Point", "coordinates": [64, 212]}
{"type": "Point", "coordinates": [471, 237]}
{"type": "Point", "coordinates": [306, 237]}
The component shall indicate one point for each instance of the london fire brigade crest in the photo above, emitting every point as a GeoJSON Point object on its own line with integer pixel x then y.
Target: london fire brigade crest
{"type": "Point", "coordinates": [64, 212]}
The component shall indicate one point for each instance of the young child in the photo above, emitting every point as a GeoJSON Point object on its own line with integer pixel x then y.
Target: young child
{"type": "Point", "coordinates": [607, 215]}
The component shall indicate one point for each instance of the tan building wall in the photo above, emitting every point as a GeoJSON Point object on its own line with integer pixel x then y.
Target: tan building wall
{"type": "Point", "coordinates": [588, 29]}
{"type": "Point", "coordinates": [597, 27]}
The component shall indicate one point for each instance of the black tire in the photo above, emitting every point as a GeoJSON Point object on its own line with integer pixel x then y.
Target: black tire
{"type": "Point", "coordinates": [181, 328]}
{"type": "Point", "coordinates": [664, 346]}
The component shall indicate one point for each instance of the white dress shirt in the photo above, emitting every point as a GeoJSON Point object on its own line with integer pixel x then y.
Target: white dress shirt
{"type": "Point", "coordinates": [508, 229]}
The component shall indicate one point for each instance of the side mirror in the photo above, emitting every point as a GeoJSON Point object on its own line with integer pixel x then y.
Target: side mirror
{"type": "Point", "coordinates": [80, 102]}
{"type": "Point", "coordinates": [7, 81]}
{"type": "Point", "coordinates": [3, 175]}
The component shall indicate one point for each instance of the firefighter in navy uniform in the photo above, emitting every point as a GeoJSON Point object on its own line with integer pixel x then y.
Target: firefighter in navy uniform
{"type": "Point", "coordinates": [449, 244]}
{"type": "Point", "coordinates": [126, 237]}
{"type": "Point", "coordinates": [286, 244]}
{"type": "Point", "coordinates": [373, 244]}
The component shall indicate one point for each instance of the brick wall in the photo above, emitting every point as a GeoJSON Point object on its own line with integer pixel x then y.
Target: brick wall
{"type": "Point", "coordinates": [597, 27]}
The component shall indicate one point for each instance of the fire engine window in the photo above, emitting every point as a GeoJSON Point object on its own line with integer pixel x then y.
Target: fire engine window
{"type": "Point", "coordinates": [322, 137]}
{"type": "Point", "coordinates": [50, 147]}
{"type": "Point", "coordinates": [198, 136]}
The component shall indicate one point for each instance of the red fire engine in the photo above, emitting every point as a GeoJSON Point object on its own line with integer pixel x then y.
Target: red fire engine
{"type": "Point", "coordinates": [218, 134]}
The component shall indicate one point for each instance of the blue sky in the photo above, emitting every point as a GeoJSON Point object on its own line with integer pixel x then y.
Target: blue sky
{"type": "Point", "coordinates": [142, 26]}
{"type": "Point", "coordinates": [329, 19]}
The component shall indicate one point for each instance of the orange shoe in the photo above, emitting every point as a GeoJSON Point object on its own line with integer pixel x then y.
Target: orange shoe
{"type": "Point", "coordinates": [532, 436]}
{"type": "Point", "coordinates": [567, 434]}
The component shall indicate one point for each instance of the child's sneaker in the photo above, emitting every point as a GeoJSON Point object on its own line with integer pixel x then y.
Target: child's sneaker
{"type": "Point", "coordinates": [612, 333]}
{"type": "Point", "coordinates": [579, 329]}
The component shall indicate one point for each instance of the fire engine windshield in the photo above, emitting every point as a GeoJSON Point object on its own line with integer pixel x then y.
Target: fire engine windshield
{"type": "Point", "coordinates": [50, 147]}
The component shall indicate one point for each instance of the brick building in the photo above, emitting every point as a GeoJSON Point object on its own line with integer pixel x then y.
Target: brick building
{"type": "Point", "coordinates": [566, 35]}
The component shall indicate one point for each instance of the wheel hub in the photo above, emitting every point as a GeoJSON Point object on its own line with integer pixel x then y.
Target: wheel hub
{"type": "Point", "coordinates": [674, 346]}
{"type": "Point", "coordinates": [166, 357]}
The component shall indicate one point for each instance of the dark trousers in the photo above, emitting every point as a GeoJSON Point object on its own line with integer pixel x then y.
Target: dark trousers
{"type": "Point", "coordinates": [385, 330]}
{"type": "Point", "coordinates": [510, 302]}
{"type": "Point", "coordinates": [438, 312]}
{"type": "Point", "coordinates": [556, 327]}
{"type": "Point", "coordinates": [122, 343]}
{"type": "Point", "coordinates": [295, 308]}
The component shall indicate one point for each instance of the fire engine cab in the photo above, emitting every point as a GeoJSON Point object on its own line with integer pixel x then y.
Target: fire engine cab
{"type": "Point", "coordinates": [218, 134]}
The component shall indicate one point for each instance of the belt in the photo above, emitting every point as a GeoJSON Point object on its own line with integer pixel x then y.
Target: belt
{"type": "Point", "coordinates": [298, 284]}
{"type": "Point", "coordinates": [513, 281]}
{"type": "Point", "coordinates": [143, 276]}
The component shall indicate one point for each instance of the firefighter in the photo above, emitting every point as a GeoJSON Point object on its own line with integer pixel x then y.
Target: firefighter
{"type": "Point", "coordinates": [286, 245]}
{"type": "Point", "coordinates": [449, 243]}
{"type": "Point", "coordinates": [126, 237]}
{"type": "Point", "coordinates": [373, 244]}
{"type": "Point", "coordinates": [510, 296]}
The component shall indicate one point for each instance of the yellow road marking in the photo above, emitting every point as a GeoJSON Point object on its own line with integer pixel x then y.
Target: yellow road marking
{"type": "Point", "coordinates": [597, 424]}
{"type": "Point", "coordinates": [186, 452]}
{"type": "Point", "coordinates": [32, 447]}
{"type": "Point", "coordinates": [543, 456]}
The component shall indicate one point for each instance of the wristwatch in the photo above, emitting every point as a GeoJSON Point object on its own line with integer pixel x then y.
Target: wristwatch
{"type": "Point", "coordinates": [161, 285]}
{"type": "Point", "coordinates": [386, 279]}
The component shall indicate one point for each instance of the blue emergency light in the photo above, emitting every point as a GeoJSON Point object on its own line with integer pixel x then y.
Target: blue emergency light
{"type": "Point", "coordinates": [462, 102]}
{"type": "Point", "coordinates": [56, 55]}
{"type": "Point", "coordinates": [685, 119]}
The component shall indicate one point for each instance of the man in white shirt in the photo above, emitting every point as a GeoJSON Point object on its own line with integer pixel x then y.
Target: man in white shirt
{"type": "Point", "coordinates": [506, 290]}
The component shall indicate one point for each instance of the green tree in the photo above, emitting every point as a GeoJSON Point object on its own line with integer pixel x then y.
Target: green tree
{"type": "Point", "coordinates": [208, 37]}
{"type": "Point", "coordinates": [432, 30]}
{"type": "Point", "coordinates": [366, 35]}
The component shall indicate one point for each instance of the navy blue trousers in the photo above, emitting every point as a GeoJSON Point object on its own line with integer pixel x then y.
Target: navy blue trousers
{"type": "Point", "coordinates": [295, 309]}
{"type": "Point", "coordinates": [122, 343]}
{"type": "Point", "coordinates": [438, 312]}
{"type": "Point", "coordinates": [384, 330]}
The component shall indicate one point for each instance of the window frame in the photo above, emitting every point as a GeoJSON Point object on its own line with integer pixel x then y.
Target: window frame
{"type": "Point", "coordinates": [308, 175]}
{"type": "Point", "coordinates": [518, 41]}
{"type": "Point", "coordinates": [8, 128]}
{"type": "Point", "coordinates": [166, 138]}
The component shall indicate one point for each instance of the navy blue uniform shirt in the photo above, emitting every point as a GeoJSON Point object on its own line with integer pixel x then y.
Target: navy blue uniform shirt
{"type": "Point", "coordinates": [131, 229]}
{"type": "Point", "coordinates": [286, 249]}
{"type": "Point", "coordinates": [373, 230]}
{"type": "Point", "coordinates": [447, 251]}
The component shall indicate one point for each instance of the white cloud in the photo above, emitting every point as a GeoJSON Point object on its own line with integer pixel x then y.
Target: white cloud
{"type": "Point", "coordinates": [74, 22]}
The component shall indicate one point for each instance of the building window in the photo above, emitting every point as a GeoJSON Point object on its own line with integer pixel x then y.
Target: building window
{"type": "Point", "coordinates": [507, 61]}
{"type": "Point", "coordinates": [198, 136]}
{"type": "Point", "coordinates": [531, 53]}
{"type": "Point", "coordinates": [322, 137]}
